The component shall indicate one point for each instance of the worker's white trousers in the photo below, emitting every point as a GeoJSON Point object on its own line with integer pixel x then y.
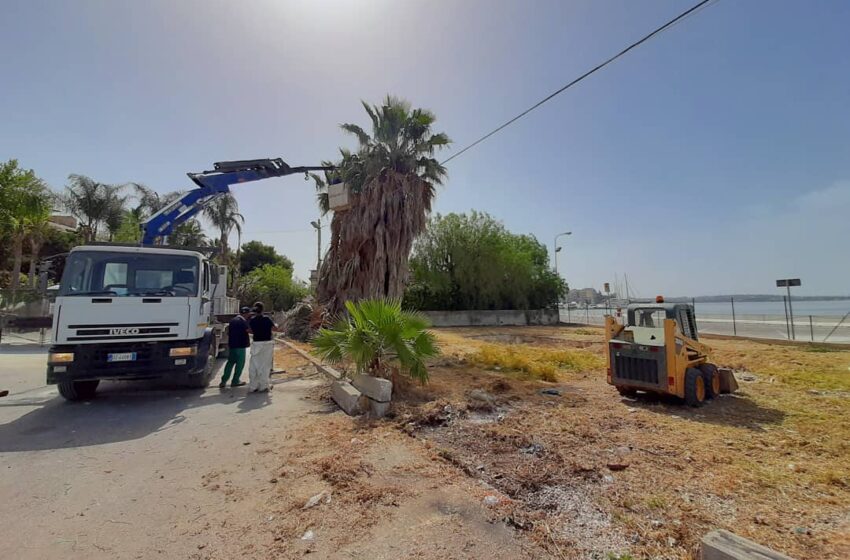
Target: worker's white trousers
{"type": "Point", "coordinates": [262, 354]}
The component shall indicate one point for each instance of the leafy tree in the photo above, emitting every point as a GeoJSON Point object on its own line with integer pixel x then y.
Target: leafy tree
{"type": "Point", "coordinates": [392, 177]}
{"type": "Point", "coordinates": [24, 206]}
{"type": "Point", "coordinates": [380, 339]}
{"type": "Point", "coordinates": [273, 285]}
{"type": "Point", "coordinates": [130, 229]}
{"type": "Point", "coordinates": [39, 230]}
{"type": "Point", "coordinates": [255, 254]}
{"type": "Point", "coordinates": [470, 261]}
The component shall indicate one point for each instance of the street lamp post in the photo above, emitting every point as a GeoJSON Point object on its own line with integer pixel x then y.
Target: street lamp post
{"type": "Point", "coordinates": [558, 249]}
{"type": "Point", "coordinates": [318, 226]}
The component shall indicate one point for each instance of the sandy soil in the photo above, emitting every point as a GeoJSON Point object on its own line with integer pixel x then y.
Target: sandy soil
{"type": "Point", "coordinates": [515, 473]}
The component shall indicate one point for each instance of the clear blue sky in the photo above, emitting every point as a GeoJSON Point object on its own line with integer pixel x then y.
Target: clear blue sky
{"type": "Point", "coordinates": [714, 159]}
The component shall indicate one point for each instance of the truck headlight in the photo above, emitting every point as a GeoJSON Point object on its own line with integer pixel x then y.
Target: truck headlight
{"type": "Point", "coordinates": [183, 351]}
{"type": "Point", "coordinates": [60, 357]}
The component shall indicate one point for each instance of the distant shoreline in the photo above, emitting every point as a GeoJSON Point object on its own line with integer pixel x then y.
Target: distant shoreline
{"type": "Point", "coordinates": [753, 298]}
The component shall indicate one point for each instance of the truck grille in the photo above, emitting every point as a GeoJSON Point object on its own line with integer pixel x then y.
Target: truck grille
{"type": "Point", "coordinates": [95, 356]}
{"type": "Point", "coordinates": [123, 331]}
{"type": "Point", "coordinates": [636, 369]}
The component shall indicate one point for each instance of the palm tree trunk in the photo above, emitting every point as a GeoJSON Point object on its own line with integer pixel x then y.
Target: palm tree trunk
{"type": "Point", "coordinates": [35, 249]}
{"type": "Point", "coordinates": [17, 251]}
{"type": "Point", "coordinates": [371, 242]}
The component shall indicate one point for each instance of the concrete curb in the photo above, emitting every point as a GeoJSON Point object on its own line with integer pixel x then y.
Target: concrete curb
{"type": "Point", "coordinates": [723, 545]}
{"type": "Point", "coordinates": [344, 394]}
{"type": "Point", "coordinates": [326, 370]}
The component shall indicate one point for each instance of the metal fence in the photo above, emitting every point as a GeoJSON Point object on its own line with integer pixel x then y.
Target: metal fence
{"type": "Point", "coordinates": [812, 328]}
{"type": "Point", "coordinates": [25, 318]}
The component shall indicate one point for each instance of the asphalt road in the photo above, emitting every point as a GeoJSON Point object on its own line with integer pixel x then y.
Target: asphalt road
{"type": "Point", "coordinates": [121, 476]}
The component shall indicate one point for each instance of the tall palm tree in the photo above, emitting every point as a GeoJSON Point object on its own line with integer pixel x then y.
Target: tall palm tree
{"type": "Point", "coordinates": [223, 214]}
{"type": "Point", "coordinates": [114, 213]}
{"type": "Point", "coordinates": [90, 202]}
{"type": "Point", "coordinates": [148, 203]}
{"type": "Point", "coordinates": [189, 234]}
{"type": "Point", "coordinates": [392, 177]}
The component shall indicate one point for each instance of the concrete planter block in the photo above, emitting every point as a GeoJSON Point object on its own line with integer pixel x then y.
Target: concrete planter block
{"type": "Point", "coordinates": [723, 545]}
{"type": "Point", "coordinates": [347, 397]}
{"type": "Point", "coordinates": [378, 409]}
{"type": "Point", "coordinates": [375, 388]}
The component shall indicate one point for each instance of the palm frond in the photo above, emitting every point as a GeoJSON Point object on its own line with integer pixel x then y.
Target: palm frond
{"type": "Point", "coordinates": [354, 129]}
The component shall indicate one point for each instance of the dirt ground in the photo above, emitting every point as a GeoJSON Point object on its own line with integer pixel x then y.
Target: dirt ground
{"type": "Point", "coordinates": [341, 488]}
{"type": "Point", "coordinates": [583, 473]}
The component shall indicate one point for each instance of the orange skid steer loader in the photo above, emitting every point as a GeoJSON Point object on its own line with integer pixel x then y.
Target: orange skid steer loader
{"type": "Point", "coordinates": [657, 350]}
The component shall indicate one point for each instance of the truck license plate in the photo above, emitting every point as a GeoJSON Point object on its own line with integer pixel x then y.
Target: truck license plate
{"type": "Point", "coordinates": [121, 357]}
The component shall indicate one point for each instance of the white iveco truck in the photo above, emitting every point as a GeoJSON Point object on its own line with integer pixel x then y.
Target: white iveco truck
{"type": "Point", "coordinates": [150, 311]}
{"type": "Point", "coordinates": [136, 313]}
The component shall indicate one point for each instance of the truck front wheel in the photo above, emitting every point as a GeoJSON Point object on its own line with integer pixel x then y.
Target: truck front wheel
{"type": "Point", "coordinates": [202, 380]}
{"type": "Point", "coordinates": [78, 390]}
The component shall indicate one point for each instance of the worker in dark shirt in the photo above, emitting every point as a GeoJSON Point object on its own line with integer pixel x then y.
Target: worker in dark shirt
{"type": "Point", "coordinates": [262, 350]}
{"type": "Point", "coordinates": [238, 342]}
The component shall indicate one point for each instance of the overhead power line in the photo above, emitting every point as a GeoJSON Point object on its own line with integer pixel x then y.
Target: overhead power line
{"type": "Point", "coordinates": [646, 38]}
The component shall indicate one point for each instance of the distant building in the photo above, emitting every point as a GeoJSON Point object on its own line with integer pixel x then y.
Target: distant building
{"type": "Point", "coordinates": [584, 296]}
{"type": "Point", "coordinates": [63, 222]}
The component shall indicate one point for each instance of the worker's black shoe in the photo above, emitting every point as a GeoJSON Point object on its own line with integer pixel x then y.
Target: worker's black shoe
{"type": "Point", "coordinates": [238, 384]}
{"type": "Point", "coordinates": [222, 385]}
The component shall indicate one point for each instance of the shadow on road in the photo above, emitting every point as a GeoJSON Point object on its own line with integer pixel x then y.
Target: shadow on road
{"type": "Point", "coordinates": [121, 411]}
{"type": "Point", "coordinates": [737, 410]}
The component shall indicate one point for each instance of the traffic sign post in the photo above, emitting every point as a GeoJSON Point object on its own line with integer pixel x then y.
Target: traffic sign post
{"type": "Point", "coordinates": [787, 283]}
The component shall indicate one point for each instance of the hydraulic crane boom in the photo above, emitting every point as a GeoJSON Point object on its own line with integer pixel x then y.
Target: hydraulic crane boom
{"type": "Point", "coordinates": [211, 185]}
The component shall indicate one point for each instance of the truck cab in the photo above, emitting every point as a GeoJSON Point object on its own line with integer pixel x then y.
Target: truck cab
{"type": "Point", "coordinates": [125, 313]}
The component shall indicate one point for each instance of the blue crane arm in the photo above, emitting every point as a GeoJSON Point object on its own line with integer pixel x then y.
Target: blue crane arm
{"type": "Point", "coordinates": [211, 185]}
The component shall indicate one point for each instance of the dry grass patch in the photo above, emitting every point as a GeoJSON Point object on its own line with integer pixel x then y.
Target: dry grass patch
{"type": "Point", "coordinates": [537, 362]}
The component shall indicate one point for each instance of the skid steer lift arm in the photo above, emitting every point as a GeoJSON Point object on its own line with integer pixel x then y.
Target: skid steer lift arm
{"type": "Point", "coordinates": [211, 185]}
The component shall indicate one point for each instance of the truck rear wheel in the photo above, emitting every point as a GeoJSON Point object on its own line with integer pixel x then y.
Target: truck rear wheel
{"type": "Point", "coordinates": [78, 390]}
{"type": "Point", "coordinates": [712, 380]}
{"type": "Point", "coordinates": [694, 387]}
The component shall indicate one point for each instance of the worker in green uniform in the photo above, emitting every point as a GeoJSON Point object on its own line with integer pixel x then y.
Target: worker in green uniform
{"type": "Point", "coordinates": [238, 342]}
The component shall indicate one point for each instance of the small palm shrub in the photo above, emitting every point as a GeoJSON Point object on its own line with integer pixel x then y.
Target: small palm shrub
{"type": "Point", "coordinates": [379, 338]}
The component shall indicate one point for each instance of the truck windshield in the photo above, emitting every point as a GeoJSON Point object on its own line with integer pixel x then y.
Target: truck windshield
{"type": "Point", "coordinates": [103, 273]}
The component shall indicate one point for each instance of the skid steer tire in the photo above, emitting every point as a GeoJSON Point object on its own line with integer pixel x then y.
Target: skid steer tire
{"type": "Point", "coordinates": [627, 391]}
{"type": "Point", "coordinates": [712, 380]}
{"type": "Point", "coordinates": [694, 387]}
{"type": "Point", "coordinates": [78, 390]}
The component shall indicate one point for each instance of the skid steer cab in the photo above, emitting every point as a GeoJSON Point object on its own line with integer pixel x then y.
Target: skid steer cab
{"type": "Point", "coordinates": [657, 350]}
